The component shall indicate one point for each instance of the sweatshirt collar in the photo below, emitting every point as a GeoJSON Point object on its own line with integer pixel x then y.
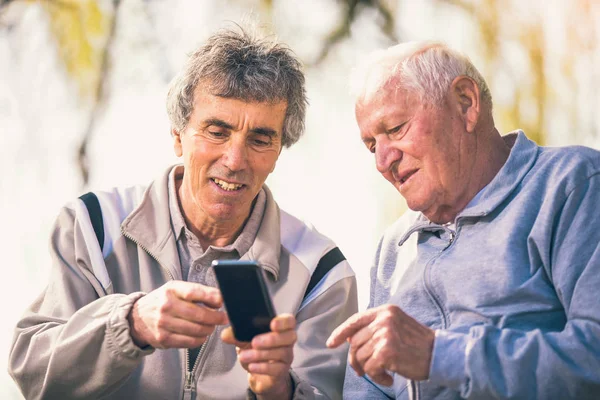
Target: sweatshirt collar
{"type": "Point", "coordinates": [149, 225]}
{"type": "Point", "coordinates": [522, 156]}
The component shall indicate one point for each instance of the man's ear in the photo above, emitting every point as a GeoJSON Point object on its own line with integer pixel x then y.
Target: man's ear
{"type": "Point", "coordinates": [177, 142]}
{"type": "Point", "coordinates": [465, 94]}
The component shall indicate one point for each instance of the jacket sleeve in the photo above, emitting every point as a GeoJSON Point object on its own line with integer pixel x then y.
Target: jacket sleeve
{"type": "Point", "coordinates": [486, 362]}
{"type": "Point", "coordinates": [72, 343]}
{"type": "Point", "coordinates": [313, 362]}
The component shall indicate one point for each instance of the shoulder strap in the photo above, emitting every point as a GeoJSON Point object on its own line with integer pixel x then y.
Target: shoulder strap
{"type": "Point", "coordinates": [93, 206]}
{"type": "Point", "coordinates": [332, 258]}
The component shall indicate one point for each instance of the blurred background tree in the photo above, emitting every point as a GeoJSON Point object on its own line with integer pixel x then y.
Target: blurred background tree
{"type": "Point", "coordinates": [83, 85]}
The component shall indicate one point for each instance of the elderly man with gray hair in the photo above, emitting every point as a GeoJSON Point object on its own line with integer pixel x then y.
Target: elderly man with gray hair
{"type": "Point", "coordinates": [488, 287]}
{"type": "Point", "coordinates": [132, 311]}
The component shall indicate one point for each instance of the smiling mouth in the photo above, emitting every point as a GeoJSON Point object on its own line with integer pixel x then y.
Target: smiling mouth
{"type": "Point", "coordinates": [227, 186]}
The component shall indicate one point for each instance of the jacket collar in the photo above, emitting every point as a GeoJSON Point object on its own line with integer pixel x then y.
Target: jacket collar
{"type": "Point", "coordinates": [149, 225]}
{"type": "Point", "coordinates": [522, 156]}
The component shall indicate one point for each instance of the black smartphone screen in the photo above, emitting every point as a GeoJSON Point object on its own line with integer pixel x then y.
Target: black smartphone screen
{"type": "Point", "coordinates": [246, 297]}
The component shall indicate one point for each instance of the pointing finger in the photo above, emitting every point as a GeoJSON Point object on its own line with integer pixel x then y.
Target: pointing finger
{"type": "Point", "coordinates": [352, 325]}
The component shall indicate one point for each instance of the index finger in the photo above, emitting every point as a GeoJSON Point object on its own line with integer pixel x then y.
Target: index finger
{"type": "Point", "coordinates": [195, 292]}
{"type": "Point", "coordinates": [349, 327]}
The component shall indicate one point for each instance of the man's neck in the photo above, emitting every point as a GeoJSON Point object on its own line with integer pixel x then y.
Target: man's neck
{"type": "Point", "coordinates": [492, 153]}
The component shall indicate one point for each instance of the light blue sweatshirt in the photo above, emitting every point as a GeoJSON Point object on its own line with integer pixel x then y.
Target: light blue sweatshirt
{"type": "Point", "coordinates": [513, 294]}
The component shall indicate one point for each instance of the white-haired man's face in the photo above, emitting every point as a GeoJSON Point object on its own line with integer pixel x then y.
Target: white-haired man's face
{"type": "Point", "coordinates": [418, 148]}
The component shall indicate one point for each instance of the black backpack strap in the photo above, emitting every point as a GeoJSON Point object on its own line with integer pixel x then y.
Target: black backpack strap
{"type": "Point", "coordinates": [332, 258]}
{"type": "Point", "coordinates": [93, 206]}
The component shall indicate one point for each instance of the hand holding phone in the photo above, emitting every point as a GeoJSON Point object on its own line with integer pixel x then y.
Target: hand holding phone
{"type": "Point", "coordinates": [246, 297]}
{"type": "Point", "coordinates": [268, 358]}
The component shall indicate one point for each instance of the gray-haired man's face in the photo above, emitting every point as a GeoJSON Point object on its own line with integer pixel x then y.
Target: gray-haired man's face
{"type": "Point", "coordinates": [229, 148]}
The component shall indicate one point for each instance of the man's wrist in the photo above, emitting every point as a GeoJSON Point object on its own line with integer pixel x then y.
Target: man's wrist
{"type": "Point", "coordinates": [133, 320]}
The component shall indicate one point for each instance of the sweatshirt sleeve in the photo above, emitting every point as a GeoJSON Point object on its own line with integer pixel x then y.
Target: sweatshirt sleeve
{"type": "Point", "coordinates": [72, 343]}
{"type": "Point", "coordinates": [486, 362]}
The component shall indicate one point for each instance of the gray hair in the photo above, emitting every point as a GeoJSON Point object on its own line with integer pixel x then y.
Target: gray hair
{"type": "Point", "coordinates": [237, 64]}
{"type": "Point", "coordinates": [424, 68]}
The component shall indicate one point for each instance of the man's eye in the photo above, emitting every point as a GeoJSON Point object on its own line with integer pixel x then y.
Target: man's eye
{"type": "Point", "coordinates": [216, 134]}
{"type": "Point", "coordinates": [395, 129]}
{"type": "Point", "coordinates": [261, 141]}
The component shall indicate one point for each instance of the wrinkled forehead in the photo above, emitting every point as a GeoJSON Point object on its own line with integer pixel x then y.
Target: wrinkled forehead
{"type": "Point", "coordinates": [216, 91]}
{"type": "Point", "coordinates": [244, 92]}
{"type": "Point", "coordinates": [388, 106]}
{"type": "Point", "coordinates": [388, 93]}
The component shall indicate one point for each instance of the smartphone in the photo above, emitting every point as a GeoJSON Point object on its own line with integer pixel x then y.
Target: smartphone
{"type": "Point", "coordinates": [246, 297]}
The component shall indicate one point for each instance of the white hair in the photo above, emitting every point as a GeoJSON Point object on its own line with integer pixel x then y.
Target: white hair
{"type": "Point", "coordinates": [424, 68]}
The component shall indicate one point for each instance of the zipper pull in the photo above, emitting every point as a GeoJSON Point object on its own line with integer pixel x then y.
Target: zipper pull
{"type": "Point", "coordinates": [452, 236]}
{"type": "Point", "coordinates": [188, 381]}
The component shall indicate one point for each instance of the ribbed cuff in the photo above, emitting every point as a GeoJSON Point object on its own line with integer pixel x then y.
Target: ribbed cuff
{"type": "Point", "coordinates": [448, 359]}
{"type": "Point", "coordinates": [301, 390]}
{"type": "Point", "coordinates": [118, 334]}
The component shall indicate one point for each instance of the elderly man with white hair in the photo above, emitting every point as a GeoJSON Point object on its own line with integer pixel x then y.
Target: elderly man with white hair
{"type": "Point", "coordinates": [488, 287]}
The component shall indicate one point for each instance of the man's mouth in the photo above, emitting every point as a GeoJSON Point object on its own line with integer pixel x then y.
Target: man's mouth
{"type": "Point", "coordinates": [406, 176]}
{"type": "Point", "coordinates": [227, 186]}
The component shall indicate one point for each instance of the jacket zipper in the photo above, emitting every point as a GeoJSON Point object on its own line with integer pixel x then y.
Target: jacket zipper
{"type": "Point", "coordinates": [189, 374]}
{"type": "Point", "coordinates": [452, 237]}
{"type": "Point", "coordinates": [414, 390]}
{"type": "Point", "coordinates": [189, 387]}
{"type": "Point", "coordinates": [149, 253]}
{"type": "Point", "coordinates": [413, 394]}
{"type": "Point", "coordinates": [191, 371]}
{"type": "Point", "coordinates": [427, 277]}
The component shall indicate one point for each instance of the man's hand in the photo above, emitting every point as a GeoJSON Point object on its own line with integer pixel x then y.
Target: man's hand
{"type": "Point", "coordinates": [268, 358]}
{"type": "Point", "coordinates": [177, 315]}
{"type": "Point", "coordinates": [386, 339]}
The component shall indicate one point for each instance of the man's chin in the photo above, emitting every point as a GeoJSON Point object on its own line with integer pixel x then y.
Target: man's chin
{"type": "Point", "coordinates": [229, 211]}
{"type": "Point", "coordinates": [417, 205]}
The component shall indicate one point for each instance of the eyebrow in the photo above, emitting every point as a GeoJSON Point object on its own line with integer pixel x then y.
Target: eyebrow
{"type": "Point", "coordinates": [264, 131]}
{"type": "Point", "coordinates": [222, 124]}
{"type": "Point", "coordinates": [367, 140]}
{"type": "Point", "coordinates": [217, 122]}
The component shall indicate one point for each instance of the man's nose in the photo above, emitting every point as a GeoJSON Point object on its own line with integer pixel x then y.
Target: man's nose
{"type": "Point", "coordinates": [235, 156]}
{"type": "Point", "coordinates": [386, 155]}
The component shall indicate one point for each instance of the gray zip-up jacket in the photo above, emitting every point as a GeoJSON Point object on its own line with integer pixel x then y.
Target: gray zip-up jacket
{"type": "Point", "coordinates": [74, 341]}
{"type": "Point", "coordinates": [513, 292]}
